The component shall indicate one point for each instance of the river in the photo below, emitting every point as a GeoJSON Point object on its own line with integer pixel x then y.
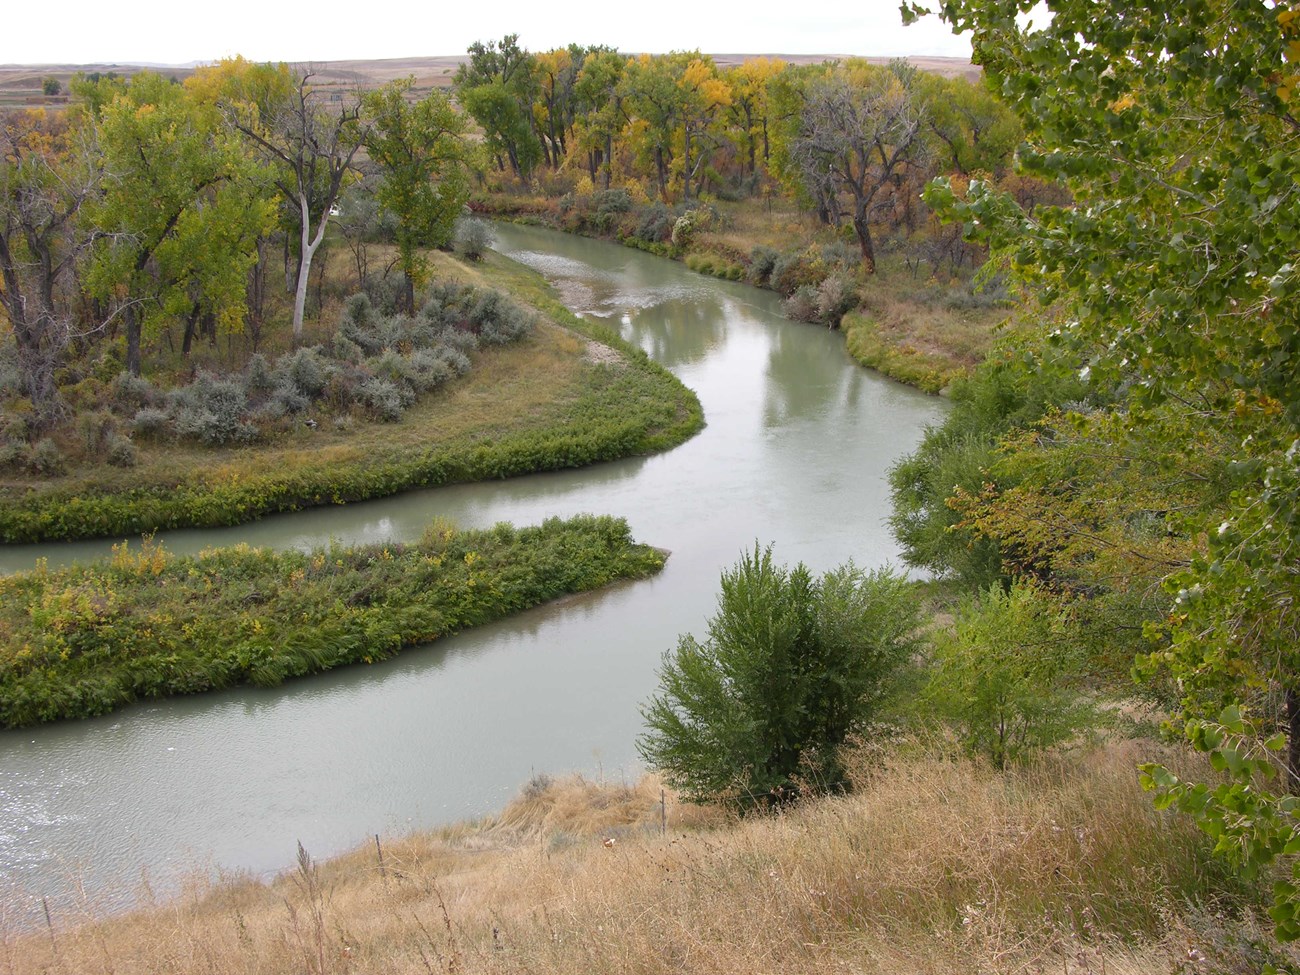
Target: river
{"type": "Point", "coordinates": [95, 814]}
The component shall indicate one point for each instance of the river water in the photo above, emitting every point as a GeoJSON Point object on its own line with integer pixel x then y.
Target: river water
{"type": "Point", "coordinates": [94, 814]}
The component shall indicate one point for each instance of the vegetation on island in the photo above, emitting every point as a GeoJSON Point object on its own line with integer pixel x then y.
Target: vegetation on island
{"type": "Point", "coordinates": [145, 624]}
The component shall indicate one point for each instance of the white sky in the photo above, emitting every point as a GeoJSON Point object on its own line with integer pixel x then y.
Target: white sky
{"type": "Point", "coordinates": [172, 32]}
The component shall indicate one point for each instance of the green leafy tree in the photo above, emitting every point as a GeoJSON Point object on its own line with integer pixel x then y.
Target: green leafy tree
{"type": "Point", "coordinates": [1008, 675]}
{"type": "Point", "coordinates": [423, 157]}
{"type": "Point", "coordinates": [307, 136]}
{"type": "Point", "coordinates": [791, 666]}
{"type": "Point", "coordinates": [180, 213]}
{"type": "Point", "coordinates": [1173, 125]}
{"type": "Point", "coordinates": [498, 87]}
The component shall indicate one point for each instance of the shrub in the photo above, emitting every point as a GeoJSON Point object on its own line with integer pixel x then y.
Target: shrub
{"type": "Point", "coordinates": [211, 411]}
{"type": "Point", "coordinates": [305, 370]}
{"type": "Point", "coordinates": [130, 393]}
{"type": "Point", "coordinates": [45, 459]}
{"type": "Point", "coordinates": [655, 225]}
{"type": "Point", "coordinates": [802, 305]}
{"type": "Point", "coordinates": [791, 666]}
{"type": "Point", "coordinates": [149, 422]}
{"type": "Point", "coordinates": [790, 271]}
{"type": "Point", "coordinates": [258, 378]}
{"type": "Point", "coordinates": [122, 452]}
{"type": "Point", "coordinates": [473, 237]}
{"type": "Point", "coordinates": [1007, 677]}
{"type": "Point", "coordinates": [385, 398]}
{"type": "Point", "coordinates": [836, 296]}
{"type": "Point", "coordinates": [761, 261]}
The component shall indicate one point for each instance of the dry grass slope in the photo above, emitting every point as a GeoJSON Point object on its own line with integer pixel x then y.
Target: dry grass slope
{"type": "Point", "coordinates": [933, 866]}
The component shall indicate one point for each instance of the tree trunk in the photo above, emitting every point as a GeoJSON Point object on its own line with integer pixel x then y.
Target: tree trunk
{"type": "Point", "coordinates": [132, 342]}
{"type": "Point", "coordinates": [309, 245]}
{"type": "Point", "coordinates": [863, 229]}
{"type": "Point", "coordinates": [609, 158]}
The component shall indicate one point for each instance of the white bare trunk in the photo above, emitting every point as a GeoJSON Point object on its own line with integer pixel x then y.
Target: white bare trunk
{"type": "Point", "coordinates": [309, 246]}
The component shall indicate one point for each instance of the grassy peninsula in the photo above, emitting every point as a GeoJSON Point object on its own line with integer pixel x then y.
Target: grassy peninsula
{"type": "Point", "coordinates": [566, 394]}
{"type": "Point", "coordinates": [86, 640]}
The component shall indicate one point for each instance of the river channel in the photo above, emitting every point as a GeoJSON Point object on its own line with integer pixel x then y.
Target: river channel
{"type": "Point", "coordinates": [94, 814]}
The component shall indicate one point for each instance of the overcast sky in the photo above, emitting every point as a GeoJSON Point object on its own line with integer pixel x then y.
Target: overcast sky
{"type": "Point", "coordinates": [171, 32]}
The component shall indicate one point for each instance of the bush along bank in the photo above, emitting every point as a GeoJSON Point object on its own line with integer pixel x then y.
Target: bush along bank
{"type": "Point", "coordinates": [87, 640]}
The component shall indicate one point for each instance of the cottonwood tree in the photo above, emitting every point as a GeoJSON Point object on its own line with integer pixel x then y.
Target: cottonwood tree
{"type": "Point", "coordinates": [600, 117]}
{"type": "Point", "coordinates": [308, 135]}
{"type": "Point", "coordinates": [749, 108]}
{"type": "Point", "coordinates": [47, 176]}
{"type": "Point", "coordinates": [423, 158]}
{"type": "Point", "coordinates": [497, 87]}
{"type": "Point", "coordinates": [1174, 126]}
{"type": "Point", "coordinates": [182, 208]}
{"type": "Point", "coordinates": [858, 132]}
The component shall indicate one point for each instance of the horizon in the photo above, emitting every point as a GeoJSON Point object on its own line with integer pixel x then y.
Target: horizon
{"type": "Point", "coordinates": [149, 37]}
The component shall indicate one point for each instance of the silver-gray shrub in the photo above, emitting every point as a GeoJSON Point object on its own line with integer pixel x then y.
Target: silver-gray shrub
{"type": "Point", "coordinates": [211, 410]}
{"type": "Point", "coordinates": [385, 398]}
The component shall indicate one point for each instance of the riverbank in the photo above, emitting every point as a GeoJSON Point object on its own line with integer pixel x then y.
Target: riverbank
{"type": "Point", "coordinates": [1062, 865]}
{"type": "Point", "coordinates": [569, 394]}
{"type": "Point", "coordinates": [89, 639]}
{"type": "Point", "coordinates": [914, 322]}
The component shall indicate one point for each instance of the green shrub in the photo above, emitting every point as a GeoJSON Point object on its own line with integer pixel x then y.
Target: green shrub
{"type": "Point", "coordinates": [791, 666]}
{"type": "Point", "coordinates": [1008, 676]}
{"type": "Point", "coordinates": [45, 459]}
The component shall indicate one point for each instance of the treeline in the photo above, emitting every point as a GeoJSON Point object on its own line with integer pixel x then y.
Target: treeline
{"type": "Point", "coordinates": [853, 142]}
{"type": "Point", "coordinates": [151, 211]}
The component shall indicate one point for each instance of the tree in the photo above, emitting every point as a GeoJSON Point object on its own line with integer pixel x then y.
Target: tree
{"type": "Point", "coordinates": [859, 130]}
{"type": "Point", "coordinates": [422, 154]}
{"type": "Point", "coordinates": [750, 106]}
{"type": "Point", "coordinates": [1007, 676]}
{"type": "Point", "coordinates": [309, 137]}
{"type": "Point", "coordinates": [791, 666]}
{"type": "Point", "coordinates": [1174, 127]}
{"type": "Point", "coordinates": [46, 177]}
{"type": "Point", "coordinates": [497, 87]}
{"type": "Point", "coordinates": [600, 119]}
{"type": "Point", "coordinates": [182, 208]}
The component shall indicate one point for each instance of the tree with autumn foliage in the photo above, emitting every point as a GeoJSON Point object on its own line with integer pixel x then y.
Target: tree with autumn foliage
{"type": "Point", "coordinates": [1174, 126]}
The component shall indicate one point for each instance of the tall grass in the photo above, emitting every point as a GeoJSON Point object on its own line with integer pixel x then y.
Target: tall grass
{"type": "Point", "coordinates": [931, 867]}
